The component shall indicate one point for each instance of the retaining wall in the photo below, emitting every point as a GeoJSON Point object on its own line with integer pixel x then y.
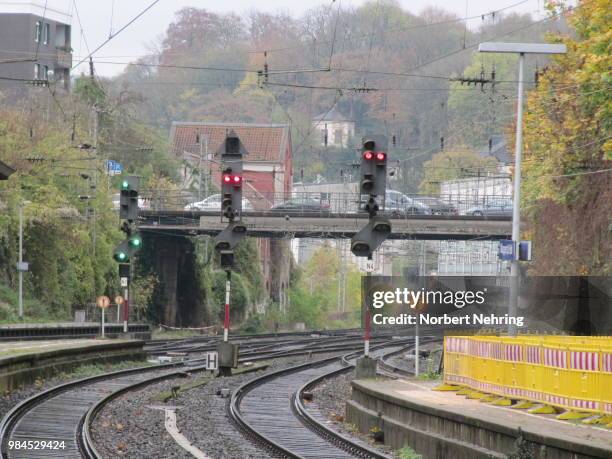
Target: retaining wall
{"type": "Point", "coordinates": [21, 369]}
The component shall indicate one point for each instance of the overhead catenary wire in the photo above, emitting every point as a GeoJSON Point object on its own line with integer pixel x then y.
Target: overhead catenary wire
{"type": "Point", "coordinates": [134, 19]}
{"type": "Point", "coordinates": [41, 31]}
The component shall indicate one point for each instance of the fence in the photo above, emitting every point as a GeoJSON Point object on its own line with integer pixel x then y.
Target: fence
{"type": "Point", "coordinates": [569, 372]}
{"type": "Point", "coordinates": [395, 203]}
{"type": "Point", "coordinates": [113, 314]}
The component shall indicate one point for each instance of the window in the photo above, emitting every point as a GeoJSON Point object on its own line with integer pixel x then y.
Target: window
{"type": "Point", "coordinates": [337, 136]}
{"type": "Point", "coordinates": [45, 34]}
{"type": "Point", "coordinates": [45, 72]}
{"type": "Point", "coordinates": [36, 71]}
{"type": "Point", "coordinates": [37, 31]}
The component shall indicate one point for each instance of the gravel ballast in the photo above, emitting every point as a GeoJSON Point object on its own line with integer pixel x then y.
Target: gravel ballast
{"type": "Point", "coordinates": [132, 425]}
{"type": "Point", "coordinates": [331, 396]}
{"type": "Point", "coordinates": [9, 399]}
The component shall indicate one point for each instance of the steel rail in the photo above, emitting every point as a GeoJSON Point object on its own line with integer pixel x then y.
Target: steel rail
{"type": "Point", "coordinates": [76, 431]}
{"type": "Point", "coordinates": [18, 412]}
{"type": "Point", "coordinates": [302, 446]}
{"type": "Point", "coordinates": [323, 430]}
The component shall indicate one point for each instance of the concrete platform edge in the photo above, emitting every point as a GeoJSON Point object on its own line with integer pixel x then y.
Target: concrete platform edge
{"type": "Point", "coordinates": [22, 369]}
{"type": "Point", "coordinates": [444, 427]}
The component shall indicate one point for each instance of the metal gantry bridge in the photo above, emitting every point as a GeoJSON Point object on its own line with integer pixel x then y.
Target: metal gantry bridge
{"type": "Point", "coordinates": [338, 217]}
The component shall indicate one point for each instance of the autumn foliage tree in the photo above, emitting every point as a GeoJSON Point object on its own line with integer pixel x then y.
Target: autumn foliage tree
{"type": "Point", "coordinates": [567, 187]}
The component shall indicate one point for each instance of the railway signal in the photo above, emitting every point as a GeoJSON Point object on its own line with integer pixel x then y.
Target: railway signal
{"type": "Point", "coordinates": [124, 252]}
{"type": "Point", "coordinates": [373, 167]}
{"type": "Point", "coordinates": [128, 199]}
{"type": "Point", "coordinates": [370, 237]}
{"type": "Point", "coordinates": [231, 190]}
{"type": "Point", "coordinates": [373, 184]}
{"type": "Point", "coordinates": [121, 253]}
{"type": "Point", "coordinates": [232, 152]}
{"type": "Point", "coordinates": [127, 248]}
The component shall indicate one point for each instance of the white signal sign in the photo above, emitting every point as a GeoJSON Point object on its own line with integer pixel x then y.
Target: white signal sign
{"type": "Point", "coordinates": [211, 361]}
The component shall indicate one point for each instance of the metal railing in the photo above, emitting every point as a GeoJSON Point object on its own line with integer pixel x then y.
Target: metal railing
{"type": "Point", "coordinates": [113, 314]}
{"type": "Point", "coordinates": [396, 204]}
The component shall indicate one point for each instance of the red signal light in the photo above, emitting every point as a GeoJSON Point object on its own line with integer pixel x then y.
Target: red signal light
{"type": "Point", "coordinates": [227, 178]}
{"type": "Point", "coordinates": [368, 155]}
{"type": "Point", "coordinates": [381, 156]}
{"type": "Point", "coordinates": [237, 179]}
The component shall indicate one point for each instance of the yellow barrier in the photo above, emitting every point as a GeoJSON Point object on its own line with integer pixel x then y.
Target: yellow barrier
{"type": "Point", "coordinates": [569, 372]}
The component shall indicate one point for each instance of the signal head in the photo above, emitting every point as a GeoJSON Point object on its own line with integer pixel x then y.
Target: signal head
{"type": "Point", "coordinates": [222, 245]}
{"type": "Point", "coordinates": [381, 156]}
{"type": "Point", "coordinates": [382, 227]}
{"type": "Point", "coordinates": [237, 179]}
{"type": "Point", "coordinates": [125, 185]}
{"type": "Point", "coordinates": [135, 242]}
{"type": "Point", "coordinates": [369, 145]}
{"type": "Point", "coordinates": [361, 248]}
{"type": "Point", "coordinates": [227, 178]}
{"type": "Point", "coordinates": [368, 155]}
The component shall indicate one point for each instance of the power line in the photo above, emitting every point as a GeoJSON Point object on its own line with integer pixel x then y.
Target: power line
{"type": "Point", "coordinates": [76, 10]}
{"type": "Point", "coordinates": [151, 5]}
{"type": "Point", "coordinates": [600, 171]}
{"type": "Point", "coordinates": [41, 30]}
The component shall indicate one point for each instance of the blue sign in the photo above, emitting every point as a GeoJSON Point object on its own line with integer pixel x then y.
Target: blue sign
{"type": "Point", "coordinates": [113, 167]}
{"type": "Point", "coordinates": [506, 250]}
{"type": "Point", "coordinates": [525, 251]}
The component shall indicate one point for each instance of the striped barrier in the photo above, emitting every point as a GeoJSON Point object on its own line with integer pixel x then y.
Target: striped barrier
{"type": "Point", "coordinates": [574, 373]}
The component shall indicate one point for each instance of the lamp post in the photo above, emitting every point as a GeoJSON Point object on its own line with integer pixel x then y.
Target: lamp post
{"type": "Point", "coordinates": [521, 49]}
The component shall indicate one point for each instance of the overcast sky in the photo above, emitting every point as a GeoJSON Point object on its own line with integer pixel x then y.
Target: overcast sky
{"type": "Point", "coordinates": [96, 18]}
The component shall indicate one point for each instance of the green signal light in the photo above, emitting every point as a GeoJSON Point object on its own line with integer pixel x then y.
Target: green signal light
{"type": "Point", "coordinates": [135, 242]}
{"type": "Point", "coordinates": [125, 185]}
{"type": "Point", "coordinates": [121, 256]}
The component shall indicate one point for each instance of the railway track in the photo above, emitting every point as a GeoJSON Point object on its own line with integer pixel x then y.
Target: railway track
{"type": "Point", "coordinates": [56, 415]}
{"type": "Point", "coordinates": [270, 410]}
{"type": "Point", "coordinates": [63, 414]}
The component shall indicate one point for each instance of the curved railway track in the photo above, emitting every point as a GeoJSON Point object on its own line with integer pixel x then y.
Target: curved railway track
{"type": "Point", "coordinates": [268, 409]}
{"type": "Point", "coordinates": [63, 413]}
{"type": "Point", "coordinates": [57, 414]}
{"type": "Point", "coordinates": [271, 412]}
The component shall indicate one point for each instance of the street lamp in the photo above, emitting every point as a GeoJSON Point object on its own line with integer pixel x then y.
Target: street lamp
{"type": "Point", "coordinates": [521, 49]}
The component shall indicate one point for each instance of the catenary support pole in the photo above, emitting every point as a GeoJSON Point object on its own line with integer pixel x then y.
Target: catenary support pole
{"type": "Point", "coordinates": [20, 262]}
{"type": "Point", "coordinates": [516, 214]}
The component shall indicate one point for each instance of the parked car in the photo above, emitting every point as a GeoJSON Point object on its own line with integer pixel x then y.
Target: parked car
{"type": "Point", "coordinates": [496, 208]}
{"type": "Point", "coordinates": [399, 204]}
{"type": "Point", "coordinates": [213, 202]}
{"type": "Point", "coordinates": [302, 205]}
{"type": "Point", "coordinates": [437, 206]}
